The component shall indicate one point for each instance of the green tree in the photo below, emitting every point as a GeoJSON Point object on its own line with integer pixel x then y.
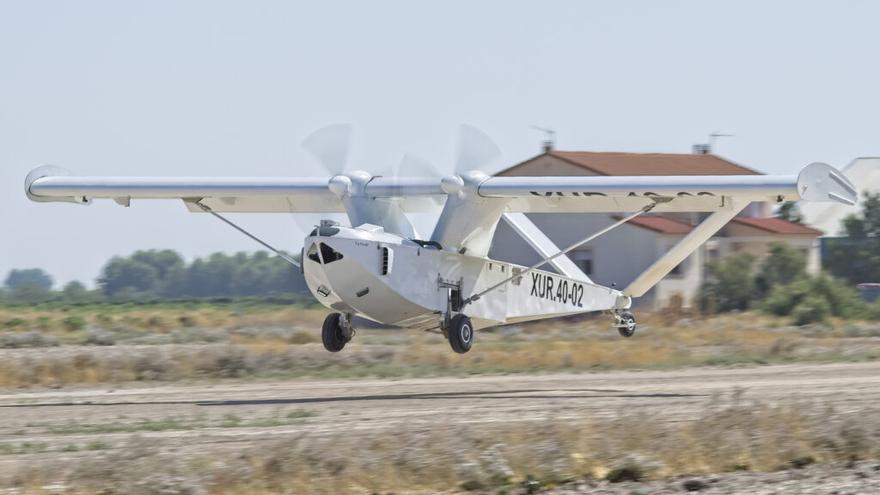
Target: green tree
{"type": "Point", "coordinates": [128, 276]}
{"type": "Point", "coordinates": [729, 284]}
{"type": "Point", "coordinates": [789, 211]}
{"type": "Point", "coordinates": [856, 257]}
{"type": "Point", "coordinates": [75, 292]}
{"type": "Point", "coordinates": [31, 285]}
{"type": "Point", "coordinates": [31, 276]}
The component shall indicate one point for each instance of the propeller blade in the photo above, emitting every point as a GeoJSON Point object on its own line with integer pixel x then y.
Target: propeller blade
{"type": "Point", "coordinates": [411, 165]}
{"type": "Point", "coordinates": [475, 149]}
{"type": "Point", "coordinates": [330, 145]}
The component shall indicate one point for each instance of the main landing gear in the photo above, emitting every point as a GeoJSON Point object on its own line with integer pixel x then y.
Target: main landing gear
{"type": "Point", "coordinates": [336, 331]}
{"type": "Point", "coordinates": [460, 333]}
{"type": "Point", "coordinates": [625, 323]}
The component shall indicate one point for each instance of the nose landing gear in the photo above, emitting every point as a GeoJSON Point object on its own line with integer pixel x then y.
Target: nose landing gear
{"type": "Point", "coordinates": [625, 323]}
{"type": "Point", "coordinates": [336, 331]}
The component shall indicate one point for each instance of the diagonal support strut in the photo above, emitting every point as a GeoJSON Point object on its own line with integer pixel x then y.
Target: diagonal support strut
{"type": "Point", "coordinates": [687, 245]}
{"type": "Point", "coordinates": [286, 257]}
{"type": "Point", "coordinates": [544, 261]}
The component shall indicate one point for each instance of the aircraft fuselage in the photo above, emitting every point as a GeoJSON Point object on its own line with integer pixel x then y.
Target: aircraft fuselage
{"type": "Point", "coordinates": [392, 280]}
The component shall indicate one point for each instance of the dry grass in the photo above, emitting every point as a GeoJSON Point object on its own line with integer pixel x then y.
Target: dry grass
{"type": "Point", "coordinates": [165, 344]}
{"type": "Point", "coordinates": [730, 435]}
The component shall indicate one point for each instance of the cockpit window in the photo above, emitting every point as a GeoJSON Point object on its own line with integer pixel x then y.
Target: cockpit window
{"type": "Point", "coordinates": [313, 253]}
{"type": "Point", "coordinates": [329, 254]}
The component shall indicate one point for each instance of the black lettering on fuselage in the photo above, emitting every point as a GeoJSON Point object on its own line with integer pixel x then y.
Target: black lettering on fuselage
{"type": "Point", "coordinates": [568, 291]}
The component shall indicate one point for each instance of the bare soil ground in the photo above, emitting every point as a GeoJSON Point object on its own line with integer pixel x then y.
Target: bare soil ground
{"type": "Point", "coordinates": [66, 439]}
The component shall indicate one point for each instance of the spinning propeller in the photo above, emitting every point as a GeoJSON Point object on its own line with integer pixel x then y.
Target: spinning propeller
{"type": "Point", "coordinates": [331, 146]}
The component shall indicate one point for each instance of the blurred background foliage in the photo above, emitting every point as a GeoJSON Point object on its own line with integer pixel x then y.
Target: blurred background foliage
{"type": "Point", "coordinates": [163, 275]}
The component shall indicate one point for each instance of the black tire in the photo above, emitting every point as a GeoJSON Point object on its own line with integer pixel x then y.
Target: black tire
{"type": "Point", "coordinates": [629, 321]}
{"type": "Point", "coordinates": [332, 334]}
{"type": "Point", "coordinates": [461, 334]}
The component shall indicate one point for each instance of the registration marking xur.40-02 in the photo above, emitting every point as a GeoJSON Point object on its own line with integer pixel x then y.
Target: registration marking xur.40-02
{"type": "Point", "coordinates": [564, 291]}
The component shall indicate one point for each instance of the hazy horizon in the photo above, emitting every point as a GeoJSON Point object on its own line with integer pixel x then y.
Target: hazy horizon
{"type": "Point", "coordinates": [227, 88]}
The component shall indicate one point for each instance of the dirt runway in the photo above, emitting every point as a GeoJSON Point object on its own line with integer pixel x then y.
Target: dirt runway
{"type": "Point", "coordinates": [238, 414]}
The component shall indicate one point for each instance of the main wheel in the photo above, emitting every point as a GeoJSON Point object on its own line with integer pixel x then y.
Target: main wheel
{"type": "Point", "coordinates": [332, 333]}
{"type": "Point", "coordinates": [461, 333]}
{"type": "Point", "coordinates": [627, 324]}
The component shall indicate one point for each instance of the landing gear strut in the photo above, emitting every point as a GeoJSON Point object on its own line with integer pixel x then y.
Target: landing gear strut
{"type": "Point", "coordinates": [625, 323]}
{"type": "Point", "coordinates": [336, 331]}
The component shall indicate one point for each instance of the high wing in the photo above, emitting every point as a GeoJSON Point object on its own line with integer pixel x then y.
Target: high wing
{"type": "Point", "coordinates": [816, 182]}
{"type": "Point", "coordinates": [223, 194]}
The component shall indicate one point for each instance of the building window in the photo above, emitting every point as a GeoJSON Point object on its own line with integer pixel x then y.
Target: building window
{"type": "Point", "coordinates": [583, 258]}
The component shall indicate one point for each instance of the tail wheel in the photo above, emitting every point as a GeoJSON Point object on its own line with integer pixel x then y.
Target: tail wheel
{"type": "Point", "coordinates": [461, 333]}
{"type": "Point", "coordinates": [626, 324]}
{"type": "Point", "coordinates": [333, 334]}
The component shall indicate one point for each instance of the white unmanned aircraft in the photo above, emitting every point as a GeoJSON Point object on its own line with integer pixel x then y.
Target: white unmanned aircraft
{"type": "Point", "coordinates": [381, 270]}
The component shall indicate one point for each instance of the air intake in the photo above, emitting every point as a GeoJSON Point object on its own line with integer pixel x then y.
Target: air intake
{"type": "Point", "coordinates": [387, 260]}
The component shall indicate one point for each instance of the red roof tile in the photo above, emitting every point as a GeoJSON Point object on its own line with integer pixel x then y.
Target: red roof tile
{"type": "Point", "coordinates": [614, 163]}
{"type": "Point", "coordinates": [663, 225]}
{"type": "Point", "coordinates": [777, 226]}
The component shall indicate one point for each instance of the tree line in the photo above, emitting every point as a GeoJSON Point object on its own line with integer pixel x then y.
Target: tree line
{"type": "Point", "coordinates": [164, 275]}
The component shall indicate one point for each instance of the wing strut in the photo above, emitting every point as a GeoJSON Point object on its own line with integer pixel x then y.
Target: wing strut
{"type": "Point", "coordinates": [286, 257]}
{"type": "Point", "coordinates": [544, 261]}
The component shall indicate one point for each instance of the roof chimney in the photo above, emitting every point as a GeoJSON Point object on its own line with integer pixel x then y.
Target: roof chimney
{"type": "Point", "coordinates": [702, 149]}
{"type": "Point", "coordinates": [706, 148]}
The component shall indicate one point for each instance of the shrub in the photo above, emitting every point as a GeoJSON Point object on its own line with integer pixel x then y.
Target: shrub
{"type": "Point", "coordinates": [73, 323]}
{"type": "Point", "coordinates": [844, 300]}
{"type": "Point", "coordinates": [729, 285]}
{"type": "Point", "coordinates": [804, 295]}
{"type": "Point", "coordinates": [783, 298]}
{"type": "Point", "coordinates": [783, 265]}
{"type": "Point", "coordinates": [872, 311]}
{"type": "Point", "coordinates": [813, 309]}
{"type": "Point", "coordinates": [13, 322]}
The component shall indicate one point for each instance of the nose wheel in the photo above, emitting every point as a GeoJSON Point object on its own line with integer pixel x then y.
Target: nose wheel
{"type": "Point", "coordinates": [460, 333]}
{"type": "Point", "coordinates": [625, 323]}
{"type": "Point", "coordinates": [336, 332]}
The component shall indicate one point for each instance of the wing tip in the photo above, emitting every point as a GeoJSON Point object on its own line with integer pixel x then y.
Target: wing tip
{"type": "Point", "coordinates": [49, 171]}
{"type": "Point", "coordinates": [821, 182]}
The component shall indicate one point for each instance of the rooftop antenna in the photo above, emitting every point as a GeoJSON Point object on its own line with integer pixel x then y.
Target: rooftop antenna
{"type": "Point", "coordinates": [706, 148]}
{"type": "Point", "coordinates": [549, 138]}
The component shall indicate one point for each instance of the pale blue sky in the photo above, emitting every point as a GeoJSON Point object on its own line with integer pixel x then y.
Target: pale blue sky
{"type": "Point", "coordinates": [232, 88]}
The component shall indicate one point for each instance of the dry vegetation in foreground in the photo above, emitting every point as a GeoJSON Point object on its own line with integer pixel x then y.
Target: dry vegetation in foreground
{"type": "Point", "coordinates": [730, 435]}
{"type": "Point", "coordinates": [123, 343]}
